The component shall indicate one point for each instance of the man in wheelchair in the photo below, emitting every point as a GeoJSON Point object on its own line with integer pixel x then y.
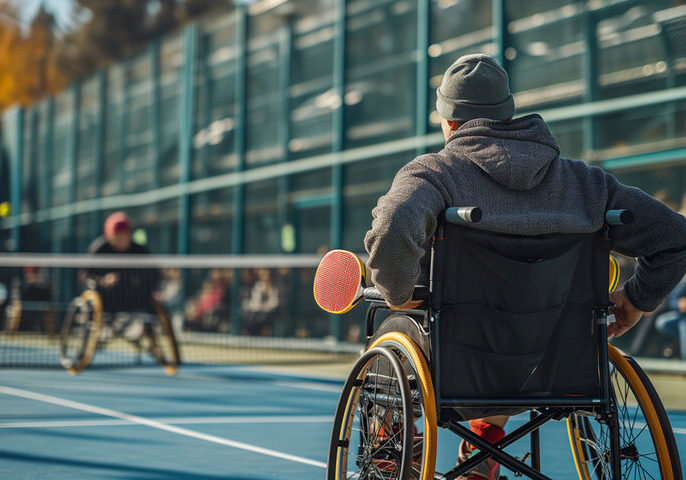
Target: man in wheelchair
{"type": "Point", "coordinates": [118, 302]}
{"type": "Point", "coordinates": [123, 290]}
{"type": "Point", "coordinates": [512, 169]}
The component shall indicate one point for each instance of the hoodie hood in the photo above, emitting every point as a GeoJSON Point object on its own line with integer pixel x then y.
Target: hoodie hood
{"type": "Point", "coordinates": [515, 153]}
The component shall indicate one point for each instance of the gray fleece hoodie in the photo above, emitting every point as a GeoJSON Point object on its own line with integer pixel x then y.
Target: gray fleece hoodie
{"type": "Point", "coordinates": [514, 172]}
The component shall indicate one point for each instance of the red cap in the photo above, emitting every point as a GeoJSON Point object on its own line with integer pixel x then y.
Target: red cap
{"type": "Point", "coordinates": [116, 223]}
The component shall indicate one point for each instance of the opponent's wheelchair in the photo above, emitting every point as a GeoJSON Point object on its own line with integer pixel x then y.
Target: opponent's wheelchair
{"type": "Point", "coordinates": [88, 325]}
{"type": "Point", "coordinates": [510, 324]}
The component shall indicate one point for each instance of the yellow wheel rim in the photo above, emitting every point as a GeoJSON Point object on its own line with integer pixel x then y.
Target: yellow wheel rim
{"type": "Point", "coordinates": [96, 300]}
{"type": "Point", "coordinates": [614, 273]}
{"type": "Point", "coordinates": [423, 372]}
{"type": "Point", "coordinates": [617, 358]}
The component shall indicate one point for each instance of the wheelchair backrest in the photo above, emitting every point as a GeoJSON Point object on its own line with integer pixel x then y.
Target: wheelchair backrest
{"type": "Point", "coordinates": [515, 314]}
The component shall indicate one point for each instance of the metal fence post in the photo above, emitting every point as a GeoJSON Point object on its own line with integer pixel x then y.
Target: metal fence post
{"type": "Point", "coordinates": [422, 107]}
{"type": "Point", "coordinates": [336, 238]}
{"type": "Point", "coordinates": [239, 149]}
{"type": "Point", "coordinates": [16, 174]}
{"type": "Point", "coordinates": [101, 118]}
{"type": "Point", "coordinates": [500, 33]}
{"type": "Point", "coordinates": [590, 73]}
{"type": "Point", "coordinates": [155, 114]}
{"type": "Point", "coordinates": [47, 169]}
{"type": "Point", "coordinates": [74, 160]}
{"type": "Point", "coordinates": [285, 51]}
{"type": "Point", "coordinates": [187, 111]}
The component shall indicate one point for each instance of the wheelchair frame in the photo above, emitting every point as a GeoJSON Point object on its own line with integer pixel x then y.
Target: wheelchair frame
{"type": "Point", "coordinates": [543, 409]}
{"type": "Point", "coordinates": [93, 298]}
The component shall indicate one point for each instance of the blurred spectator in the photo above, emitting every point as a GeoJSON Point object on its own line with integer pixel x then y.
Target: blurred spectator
{"type": "Point", "coordinates": [35, 286]}
{"type": "Point", "coordinates": [682, 210]}
{"type": "Point", "coordinates": [210, 309]}
{"type": "Point", "coordinates": [261, 307]}
{"type": "Point", "coordinates": [284, 285]}
{"type": "Point", "coordinates": [30, 308]}
{"type": "Point", "coordinates": [169, 294]}
{"type": "Point", "coordinates": [169, 291]}
{"type": "Point", "coordinates": [664, 196]}
{"type": "Point", "coordinates": [35, 297]}
{"type": "Point", "coordinates": [672, 320]}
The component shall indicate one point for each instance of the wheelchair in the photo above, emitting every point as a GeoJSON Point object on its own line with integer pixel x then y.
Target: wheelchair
{"type": "Point", "coordinates": [87, 328]}
{"type": "Point", "coordinates": [29, 309]}
{"type": "Point", "coordinates": [510, 324]}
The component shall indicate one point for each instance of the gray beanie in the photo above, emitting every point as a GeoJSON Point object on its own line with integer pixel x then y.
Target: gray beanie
{"type": "Point", "coordinates": [475, 86]}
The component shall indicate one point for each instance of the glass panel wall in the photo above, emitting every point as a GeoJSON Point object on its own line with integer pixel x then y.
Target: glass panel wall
{"type": "Point", "coordinates": [545, 51]}
{"type": "Point", "coordinates": [171, 56]}
{"type": "Point", "coordinates": [62, 180]}
{"type": "Point", "coordinates": [138, 171]}
{"type": "Point", "coordinates": [365, 182]}
{"type": "Point", "coordinates": [211, 221]}
{"type": "Point", "coordinates": [29, 180]}
{"type": "Point", "coordinates": [458, 27]}
{"type": "Point", "coordinates": [87, 136]}
{"type": "Point", "coordinates": [311, 99]}
{"type": "Point", "coordinates": [379, 100]}
{"type": "Point", "coordinates": [262, 232]}
{"type": "Point", "coordinates": [214, 126]}
{"type": "Point", "coordinates": [665, 182]}
{"type": "Point", "coordinates": [265, 95]}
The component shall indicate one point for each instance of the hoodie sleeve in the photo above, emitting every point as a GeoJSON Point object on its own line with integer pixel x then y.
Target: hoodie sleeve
{"type": "Point", "coordinates": [657, 237]}
{"type": "Point", "coordinates": [404, 221]}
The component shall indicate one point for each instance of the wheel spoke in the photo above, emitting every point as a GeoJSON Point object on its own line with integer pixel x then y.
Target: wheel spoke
{"type": "Point", "coordinates": [639, 457]}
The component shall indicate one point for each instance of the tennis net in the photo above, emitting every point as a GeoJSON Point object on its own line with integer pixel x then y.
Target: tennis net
{"type": "Point", "coordinates": [218, 309]}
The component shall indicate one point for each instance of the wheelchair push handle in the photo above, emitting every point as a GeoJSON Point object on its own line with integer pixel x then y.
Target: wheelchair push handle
{"type": "Point", "coordinates": [462, 215]}
{"type": "Point", "coordinates": [619, 217]}
{"type": "Point", "coordinates": [371, 294]}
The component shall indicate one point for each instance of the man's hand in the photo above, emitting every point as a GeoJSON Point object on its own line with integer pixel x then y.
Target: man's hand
{"type": "Point", "coordinates": [682, 305]}
{"type": "Point", "coordinates": [408, 305]}
{"type": "Point", "coordinates": [109, 280]}
{"type": "Point", "coordinates": [626, 315]}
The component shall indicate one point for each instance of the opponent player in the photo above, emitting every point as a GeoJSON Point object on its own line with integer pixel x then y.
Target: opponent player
{"type": "Point", "coordinates": [512, 170]}
{"type": "Point", "coordinates": [122, 289]}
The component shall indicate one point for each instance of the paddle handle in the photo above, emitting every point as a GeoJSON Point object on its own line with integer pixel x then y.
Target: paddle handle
{"type": "Point", "coordinates": [371, 294]}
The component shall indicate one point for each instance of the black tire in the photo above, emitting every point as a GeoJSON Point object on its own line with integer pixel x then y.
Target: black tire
{"type": "Point", "coordinates": [647, 445]}
{"type": "Point", "coordinates": [163, 345]}
{"type": "Point", "coordinates": [370, 437]}
{"type": "Point", "coordinates": [80, 331]}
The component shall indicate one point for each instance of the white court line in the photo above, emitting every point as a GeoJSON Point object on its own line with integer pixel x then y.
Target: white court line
{"type": "Point", "coordinates": [678, 431]}
{"type": "Point", "coordinates": [155, 424]}
{"type": "Point", "coordinates": [171, 421]}
{"type": "Point", "coordinates": [310, 386]}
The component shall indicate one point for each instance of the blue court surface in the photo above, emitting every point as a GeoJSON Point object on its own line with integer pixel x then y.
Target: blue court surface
{"type": "Point", "coordinates": [221, 422]}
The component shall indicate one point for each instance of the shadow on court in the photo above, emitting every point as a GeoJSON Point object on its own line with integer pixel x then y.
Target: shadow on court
{"type": "Point", "coordinates": [113, 468]}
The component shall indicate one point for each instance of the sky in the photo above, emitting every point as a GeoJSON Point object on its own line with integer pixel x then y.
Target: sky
{"type": "Point", "coordinates": [62, 9]}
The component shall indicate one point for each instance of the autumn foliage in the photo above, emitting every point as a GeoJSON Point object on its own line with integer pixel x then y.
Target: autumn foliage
{"type": "Point", "coordinates": [28, 58]}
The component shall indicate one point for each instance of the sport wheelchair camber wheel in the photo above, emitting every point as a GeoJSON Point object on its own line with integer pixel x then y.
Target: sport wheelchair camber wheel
{"type": "Point", "coordinates": [81, 331]}
{"type": "Point", "coordinates": [373, 427]}
{"type": "Point", "coordinates": [647, 445]}
{"type": "Point", "coordinates": [163, 345]}
{"type": "Point", "coordinates": [423, 397]}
